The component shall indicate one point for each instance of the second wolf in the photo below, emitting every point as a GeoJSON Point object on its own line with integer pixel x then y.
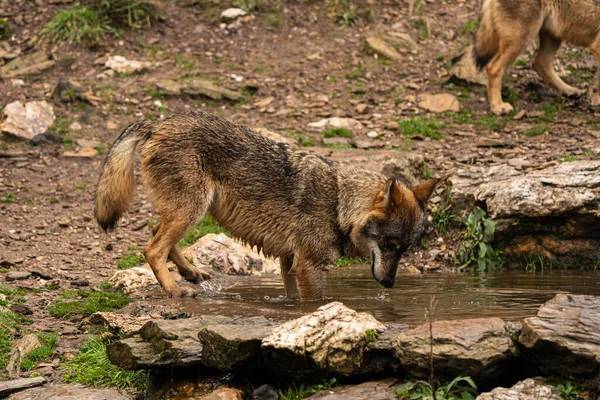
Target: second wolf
{"type": "Point", "coordinates": [507, 26]}
{"type": "Point", "coordinates": [302, 208]}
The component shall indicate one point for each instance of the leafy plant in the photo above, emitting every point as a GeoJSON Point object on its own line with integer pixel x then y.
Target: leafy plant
{"type": "Point", "coordinates": [371, 336]}
{"type": "Point", "coordinates": [442, 220]}
{"type": "Point", "coordinates": [204, 227]}
{"type": "Point", "coordinates": [76, 25]}
{"type": "Point", "coordinates": [568, 391]}
{"type": "Point", "coordinates": [304, 391]}
{"type": "Point", "coordinates": [476, 251]}
{"type": "Point", "coordinates": [460, 388]}
{"type": "Point", "coordinates": [4, 29]}
{"type": "Point", "coordinates": [469, 27]}
{"type": "Point", "coordinates": [127, 13]}
{"type": "Point", "coordinates": [8, 198]}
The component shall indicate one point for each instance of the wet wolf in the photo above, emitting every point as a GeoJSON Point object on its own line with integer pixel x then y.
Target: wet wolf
{"type": "Point", "coordinates": [305, 209]}
{"type": "Point", "coordinates": [507, 26]}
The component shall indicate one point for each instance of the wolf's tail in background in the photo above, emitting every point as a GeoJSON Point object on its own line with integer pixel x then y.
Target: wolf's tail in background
{"type": "Point", "coordinates": [116, 185]}
{"type": "Point", "coordinates": [486, 39]}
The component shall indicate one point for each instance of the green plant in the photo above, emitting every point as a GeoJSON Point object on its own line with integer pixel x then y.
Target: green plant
{"type": "Point", "coordinates": [469, 27]}
{"type": "Point", "coordinates": [48, 341]}
{"type": "Point", "coordinates": [8, 198]}
{"type": "Point", "coordinates": [442, 220]}
{"type": "Point", "coordinates": [568, 391]}
{"type": "Point", "coordinates": [421, 26]}
{"type": "Point", "coordinates": [306, 141]}
{"type": "Point", "coordinates": [460, 388]}
{"type": "Point", "coordinates": [476, 251]}
{"type": "Point", "coordinates": [568, 158]}
{"type": "Point", "coordinates": [54, 200]}
{"type": "Point", "coordinates": [93, 368]}
{"type": "Point", "coordinates": [550, 111]}
{"type": "Point", "coordinates": [304, 391]}
{"type": "Point", "coordinates": [127, 13]}
{"type": "Point", "coordinates": [535, 262]}
{"type": "Point", "coordinates": [204, 227]}
{"type": "Point", "coordinates": [343, 132]}
{"type": "Point", "coordinates": [537, 130]}
{"type": "Point", "coordinates": [89, 302]}
{"type": "Point", "coordinates": [348, 261]}
{"type": "Point", "coordinates": [420, 126]}
{"type": "Point", "coordinates": [130, 261]}
{"type": "Point", "coordinates": [76, 25]}
{"type": "Point", "coordinates": [4, 29]}
{"type": "Point", "coordinates": [371, 336]}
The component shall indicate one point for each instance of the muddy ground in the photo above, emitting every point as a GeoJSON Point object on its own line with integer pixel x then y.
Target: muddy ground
{"type": "Point", "coordinates": [301, 56]}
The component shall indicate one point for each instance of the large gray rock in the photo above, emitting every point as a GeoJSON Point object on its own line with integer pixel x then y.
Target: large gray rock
{"type": "Point", "coordinates": [407, 167]}
{"type": "Point", "coordinates": [229, 256]}
{"type": "Point", "coordinates": [15, 385]}
{"type": "Point", "coordinates": [479, 348]}
{"type": "Point", "coordinates": [377, 390]}
{"type": "Point", "coordinates": [464, 68]}
{"type": "Point", "coordinates": [27, 120]}
{"type": "Point", "coordinates": [331, 339]}
{"type": "Point", "coordinates": [549, 212]}
{"type": "Point", "coordinates": [529, 389]}
{"type": "Point", "coordinates": [564, 338]}
{"type": "Point", "coordinates": [133, 279]}
{"type": "Point", "coordinates": [70, 392]}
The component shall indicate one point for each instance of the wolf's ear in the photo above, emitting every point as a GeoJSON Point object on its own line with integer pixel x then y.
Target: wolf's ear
{"type": "Point", "coordinates": [424, 190]}
{"type": "Point", "coordinates": [391, 194]}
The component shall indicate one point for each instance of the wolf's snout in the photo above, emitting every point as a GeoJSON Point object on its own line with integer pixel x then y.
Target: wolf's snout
{"type": "Point", "coordinates": [387, 282]}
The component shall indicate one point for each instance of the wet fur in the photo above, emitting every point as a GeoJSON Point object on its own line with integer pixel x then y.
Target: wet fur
{"type": "Point", "coordinates": [508, 26]}
{"type": "Point", "coordinates": [303, 208]}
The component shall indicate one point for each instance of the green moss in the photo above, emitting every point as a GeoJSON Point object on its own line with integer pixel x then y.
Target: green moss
{"type": "Point", "coordinates": [130, 261]}
{"type": "Point", "coordinates": [420, 126]}
{"type": "Point", "coordinates": [89, 302]}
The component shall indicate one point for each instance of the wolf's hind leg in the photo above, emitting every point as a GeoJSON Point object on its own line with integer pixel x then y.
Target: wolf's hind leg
{"type": "Point", "coordinates": [595, 90]}
{"type": "Point", "coordinates": [309, 279]}
{"type": "Point", "coordinates": [189, 272]}
{"type": "Point", "coordinates": [549, 45]}
{"type": "Point", "coordinates": [289, 281]}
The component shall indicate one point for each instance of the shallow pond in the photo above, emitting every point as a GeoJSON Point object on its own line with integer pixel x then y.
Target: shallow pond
{"type": "Point", "coordinates": [509, 295]}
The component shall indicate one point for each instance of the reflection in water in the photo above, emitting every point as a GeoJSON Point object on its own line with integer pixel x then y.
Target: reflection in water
{"type": "Point", "coordinates": [509, 295]}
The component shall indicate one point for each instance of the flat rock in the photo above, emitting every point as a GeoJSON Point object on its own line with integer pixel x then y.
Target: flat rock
{"type": "Point", "coordinates": [126, 325]}
{"type": "Point", "coordinates": [232, 13]}
{"type": "Point", "coordinates": [70, 392]}
{"type": "Point", "coordinates": [31, 64]}
{"type": "Point", "coordinates": [353, 125]}
{"type": "Point", "coordinates": [277, 137]}
{"type": "Point", "coordinates": [122, 65]}
{"type": "Point", "coordinates": [479, 348]}
{"type": "Point", "coordinates": [226, 255]}
{"type": "Point", "coordinates": [439, 103]}
{"type": "Point", "coordinates": [19, 351]}
{"type": "Point", "coordinates": [376, 390]}
{"type": "Point", "coordinates": [383, 48]}
{"type": "Point", "coordinates": [564, 338]}
{"type": "Point", "coordinates": [332, 339]}
{"type": "Point", "coordinates": [133, 280]}
{"type": "Point", "coordinates": [195, 87]}
{"type": "Point", "coordinates": [17, 275]}
{"type": "Point", "coordinates": [464, 68]}
{"type": "Point", "coordinates": [8, 387]}
{"type": "Point", "coordinates": [86, 152]}
{"type": "Point", "coordinates": [27, 120]}
{"type": "Point", "coordinates": [529, 389]}
{"type": "Point", "coordinates": [337, 141]}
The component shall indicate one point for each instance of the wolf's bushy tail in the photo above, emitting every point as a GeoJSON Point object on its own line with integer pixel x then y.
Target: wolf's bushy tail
{"type": "Point", "coordinates": [116, 185]}
{"type": "Point", "coordinates": [486, 39]}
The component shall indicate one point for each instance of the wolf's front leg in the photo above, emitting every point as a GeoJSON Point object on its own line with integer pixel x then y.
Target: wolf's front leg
{"type": "Point", "coordinates": [309, 279]}
{"type": "Point", "coordinates": [289, 281]}
{"type": "Point", "coordinates": [595, 90]}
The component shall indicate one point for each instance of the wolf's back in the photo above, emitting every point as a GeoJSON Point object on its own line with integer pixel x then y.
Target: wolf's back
{"type": "Point", "coordinates": [116, 185]}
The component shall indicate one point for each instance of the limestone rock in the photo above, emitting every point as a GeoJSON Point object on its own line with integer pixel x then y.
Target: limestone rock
{"type": "Point", "coordinates": [478, 348]}
{"type": "Point", "coordinates": [133, 279]}
{"type": "Point", "coordinates": [195, 87]}
{"type": "Point", "coordinates": [383, 48]}
{"type": "Point", "coordinates": [122, 65]}
{"type": "Point", "coordinates": [529, 389]}
{"type": "Point", "coordinates": [353, 125]}
{"type": "Point", "coordinates": [464, 69]}
{"type": "Point", "coordinates": [70, 392]}
{"type": "Point", "coordinates": [275, 136]}
{"type": "Point", "coordinates": [564, 338]}
{"type": "Point", "coordinates": [333, 338]}
{"type": "Point", "coordinates": [229, 256]}
{"type": "Point", "coordinates": [127, 325]}
{"type": "Point", "coordinates": [376, 390]}
{"type": "Point", "coordinates": [32, 64]}
{"type": "Point", "coordinates": [19, 351]}
{"type": "Point", "coordinates": [233, 13]}
{"type": "Point", "coordinates": [439, 103]}
{"type": "Point", "coordinates": [8, 387]}
{"type": "Point", "coordinates": [27, 120]}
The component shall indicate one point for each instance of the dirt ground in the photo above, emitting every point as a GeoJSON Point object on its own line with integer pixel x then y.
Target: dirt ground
{"type": "Point", "coordinates": [310, 64]}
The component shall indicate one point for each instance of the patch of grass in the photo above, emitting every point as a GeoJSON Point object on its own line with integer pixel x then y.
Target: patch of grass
{"type": "Point", "coordinates": [492, 122]}
{"type": "Point", "coordinates": [342, 132]}
{"type": "Point", "coordinates": [43, 353]}
{"type": "Point", "coordinates": [183, 63]}
{"type": "Point", "coordinates": [461, 388]}
{"type": "Point", "coordinates": [4, 29]}
{"type": "Point", "coordinates": [357, 73]}
{"type": "Point", "coordinates": [420, 126]}
{"type": "Point", "coordinates": [568, 158]}
{"type": "Point", "coordinates": [469, 27]}
{"type": "Point", "coordinates": [89, 303]}
{"type": "Point", "coordinates": [348, 261]}
{"type": "Point", "coordinates": [421, 26]}
{"type": "Point", "coordinates": [511, 97]}
{"type": "Point", "coordinates": [204, 227]}
{"type": "Point", "coordinates": [306, 141]}
{"type": "Point", "coordinates": [536, 262]}
{"type": "Point", "coordinates": [5, 345]}
{"type": "Point", "coordinates": [127, 13]}
{"type": "Point", "coordinates": [54, 200]}
{"type": "Point", "coordinates": [105, 286]}
{"type": "Point", "coordinates": [537, 130]}
{"type": "Point", "coordinates": [7, 291]}
{"type": "Point", "coordinates": [10, 196]}
{"type": "Point", "coordinates": [442, 220]}
{"type": "Point", "coordinates": [130, 261]}
{"type": "Point", "coordinates": [91, 367]}
{"type": "Point", "coordinates": [476, 251]}
{"type": "Point", "coordinates": [11, 320]}
{"type": "Point", "coordinates": [521, 62]}
{"type": "Point", "coordinates": [82, 185]}
{"type": "Point", "coordinates": [550, 110]}
{"type": "Point", "coordinates": [371, 336]}
{"type": "Point", "coordinates": [78, 24]}
{"type": "Point", "coordinates": [60, 127]}
{"type": "Point", "coordinates": [303, 391]}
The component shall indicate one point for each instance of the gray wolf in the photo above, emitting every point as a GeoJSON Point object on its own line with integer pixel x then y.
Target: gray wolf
{"type": "Point", "coordinates": [507, 26]}
{"type": "Point", "coordinates": [302, 208]}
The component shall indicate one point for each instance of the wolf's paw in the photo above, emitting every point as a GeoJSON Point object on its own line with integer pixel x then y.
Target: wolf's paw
{"type": "Point", "coordinates": [196, 275]}
{"type": "Point", "coordinates": [182, 291]}
{"type": "Point", "coordinates": [573, 92]}
{"type": "Point", "coordinates": [501, 109]}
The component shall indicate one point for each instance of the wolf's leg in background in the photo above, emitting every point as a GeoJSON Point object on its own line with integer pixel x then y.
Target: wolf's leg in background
{"type": "Point", "coordinates": [510, 47]}
{"type": "Point", "coordinates": [189, 272]}
{"type": "Point", "coordinates": [174, 223]}
{"type": "Point", "coordinates": [595, 90]}
{"type": "Point", "coordinates": [309, 278]}
{"type": "Point", "coordinates": [549, 45]}
{"type": "Point", "coordinates": [289, 281]}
